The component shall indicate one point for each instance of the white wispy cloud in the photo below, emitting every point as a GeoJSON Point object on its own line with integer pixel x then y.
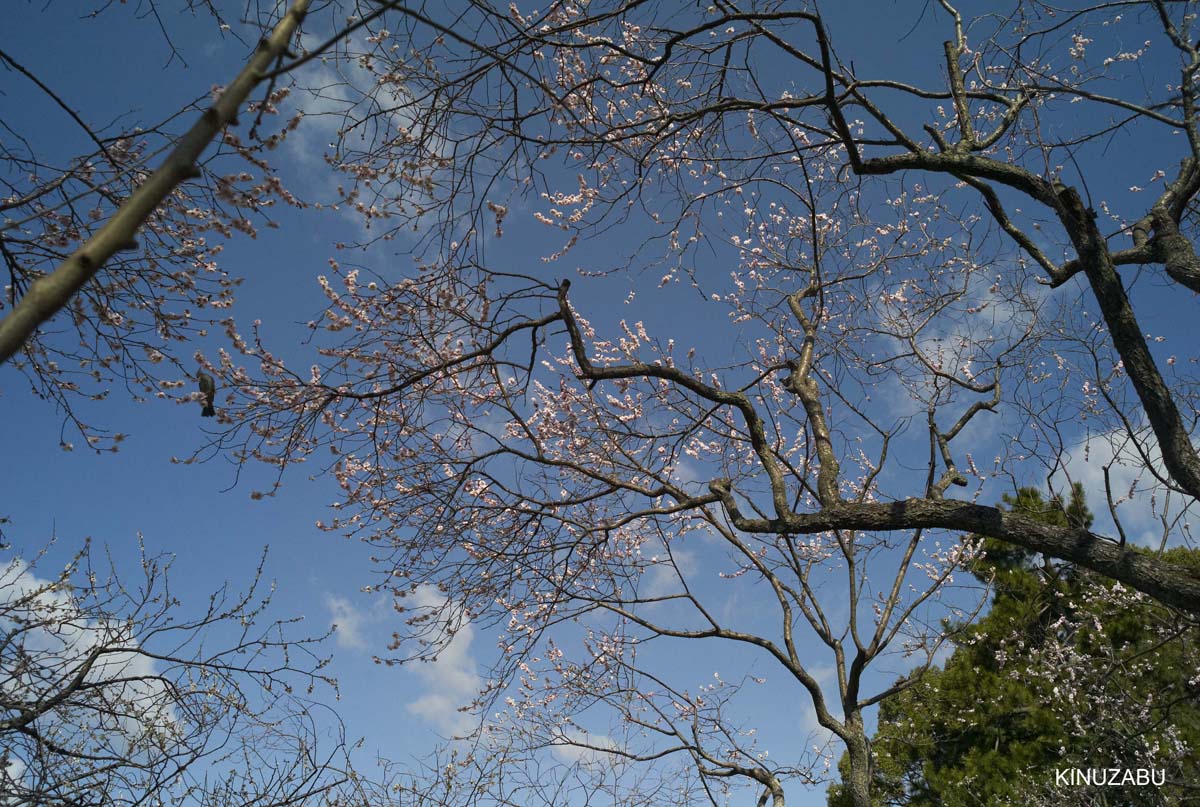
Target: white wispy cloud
{"type": "Point", "coordinates": [1148, 511]}
{"type": "Point", "coordinates": [56, 634]}
{"type": "Point", "coordinates": [586, 749]}
{"type": "Point", "coordinates": [451, 681]}
{"type": "Point", "coordinates": [349, 623]}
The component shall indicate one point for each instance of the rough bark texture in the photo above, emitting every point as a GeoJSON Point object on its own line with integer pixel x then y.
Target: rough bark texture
{"type": "Point", "coordinates": [858, 778]}
{"type": "Point", "coordinates": [1166, 582]}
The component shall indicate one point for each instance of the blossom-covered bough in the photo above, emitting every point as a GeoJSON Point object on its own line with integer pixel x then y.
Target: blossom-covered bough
{"type": "Point", "coordinates": [864, 300]}
{"type": "Point", "coordinates": [128, 252]}
{"type": "Point", "coordinates": [578, 477]}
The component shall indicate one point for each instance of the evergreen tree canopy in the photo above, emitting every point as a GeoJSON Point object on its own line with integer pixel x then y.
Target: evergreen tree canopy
{"type": "Point", "coordinates": [1066, 670]}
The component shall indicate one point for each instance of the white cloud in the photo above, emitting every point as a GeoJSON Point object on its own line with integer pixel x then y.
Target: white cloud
{"type": "Point", "coordinates": [585, 749]}
{"type": "Point", "coordinates": [58, 632]}
{"type": "Point", "coordinates": [1147, 510]}
{"type": "Point", "coordinates": [348, 622]}
{"type": "Point", "coordinates": [663, 578]}
{"type": "Point", "coordinates": [690, 475]}
{"type": "Point", "coordinates": [818, 736]}
{"type": "Point", "coordinates": [451, 681]}
{"type": "Point", "coordinates": [336, 92]}
{"type": "Point", "coordinates": [14, 769]}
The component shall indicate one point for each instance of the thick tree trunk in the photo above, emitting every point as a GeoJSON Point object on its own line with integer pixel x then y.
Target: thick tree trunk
{"type": "Point", "coordinates": [858, 778]}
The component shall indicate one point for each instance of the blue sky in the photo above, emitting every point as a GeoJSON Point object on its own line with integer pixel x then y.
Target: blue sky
{"type": "Point", "coordinates": [203, 513]}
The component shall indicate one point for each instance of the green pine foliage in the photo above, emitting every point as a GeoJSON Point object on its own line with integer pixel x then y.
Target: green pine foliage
{"type": "Point", "coordinates": [1066, 670]}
